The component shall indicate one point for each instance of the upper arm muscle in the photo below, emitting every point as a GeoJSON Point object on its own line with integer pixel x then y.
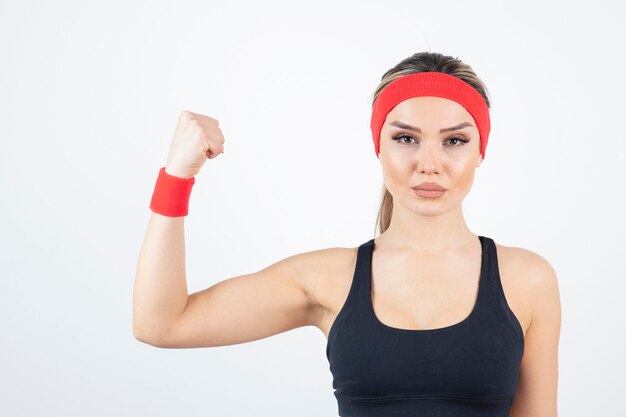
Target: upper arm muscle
{"type": "Point", "coordinates": [246, 307]}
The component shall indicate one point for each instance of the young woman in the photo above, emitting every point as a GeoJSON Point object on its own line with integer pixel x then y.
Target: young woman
{"type": "Point", "coordinates": [426, 319]}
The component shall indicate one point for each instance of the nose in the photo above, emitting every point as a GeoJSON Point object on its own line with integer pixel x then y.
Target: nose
{"type": "Point", "coordinates": [429, 159]}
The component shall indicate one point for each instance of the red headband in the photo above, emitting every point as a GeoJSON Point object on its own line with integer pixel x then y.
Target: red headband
{"type": "Point", "coordinates": [435, 84]}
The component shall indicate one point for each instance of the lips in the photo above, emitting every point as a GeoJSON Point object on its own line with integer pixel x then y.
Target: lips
{"type": "Point", "coordinates": [429, 186]}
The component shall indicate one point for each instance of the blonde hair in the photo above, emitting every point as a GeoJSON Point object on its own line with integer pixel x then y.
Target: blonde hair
{"type": "Point", "coordinates": [423, 62]}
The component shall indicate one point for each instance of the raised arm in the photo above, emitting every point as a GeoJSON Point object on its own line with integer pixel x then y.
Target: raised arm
{"type": "Point", "coordinates": [236, 310]}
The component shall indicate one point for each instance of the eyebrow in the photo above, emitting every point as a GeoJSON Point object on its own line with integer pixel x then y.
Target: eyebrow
{"type": "Point", "coordinates": [401, 125]}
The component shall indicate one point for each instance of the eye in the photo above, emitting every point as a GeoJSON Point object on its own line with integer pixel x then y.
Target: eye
{"type": "Point", "coordinates": [460, 139]}
{"type": "Point", "coordinates": [400, 138]}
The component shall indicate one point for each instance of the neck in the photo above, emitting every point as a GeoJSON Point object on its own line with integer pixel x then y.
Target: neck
{"type": "Point", "coordinates": [428, 234]}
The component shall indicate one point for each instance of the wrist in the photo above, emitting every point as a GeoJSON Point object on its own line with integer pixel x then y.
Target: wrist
{"type": "Point", "coordinates": [171, 194]}
{"type": "Point", "coordinates": [178, 174]}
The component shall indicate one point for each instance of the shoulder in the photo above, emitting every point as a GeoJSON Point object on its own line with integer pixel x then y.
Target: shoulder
{"type": "Point", "coordinates": [316, 267]}
{"type": "Point", "coordinates": [321, 272]}
{"type": "Point", "coordinates": [538, 272]}
{"type": "Point", "coordinates": [532, 275]}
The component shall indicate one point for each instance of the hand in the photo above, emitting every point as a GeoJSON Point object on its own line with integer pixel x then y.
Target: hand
{"type": "Point", "coordinates": [196, 139]}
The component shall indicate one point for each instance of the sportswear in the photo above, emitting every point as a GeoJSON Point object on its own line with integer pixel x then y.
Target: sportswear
{"type": "Point", "coordinates": [171, 194]}
{"type": "Point", "coordinates": [468, 369]}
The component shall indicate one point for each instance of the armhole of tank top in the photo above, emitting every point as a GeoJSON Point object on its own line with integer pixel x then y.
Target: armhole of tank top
{"type": "Point", "coordinates": [351, 291]}
{"type": "Point", "coordinates": [504, 302]}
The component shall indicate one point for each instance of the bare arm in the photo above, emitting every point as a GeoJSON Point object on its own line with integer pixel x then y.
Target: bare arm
{"type": "Point", "coordinates": [160, 291]}
{"type": "Point", "coordinates": [236, 310]}
{"type": "Point", "coordinates": [240, 309]}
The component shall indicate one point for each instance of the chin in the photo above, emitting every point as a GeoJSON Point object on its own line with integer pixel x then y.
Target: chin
{"type": "Point", "coordinates": [430, 206]}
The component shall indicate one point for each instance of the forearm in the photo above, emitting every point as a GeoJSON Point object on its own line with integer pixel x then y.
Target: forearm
{"type": "Point", "coordinates": [160, 292]}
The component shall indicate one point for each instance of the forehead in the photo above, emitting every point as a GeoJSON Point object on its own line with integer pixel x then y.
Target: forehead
{"type": "Point", "coordinates": [429, 109]}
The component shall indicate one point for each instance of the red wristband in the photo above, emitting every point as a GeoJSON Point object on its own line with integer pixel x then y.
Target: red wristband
{"type": "Point", "coordinates": [171, 195]}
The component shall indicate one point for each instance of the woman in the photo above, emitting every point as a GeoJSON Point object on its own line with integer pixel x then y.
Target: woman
{"type": "Point", "coordinates": [428, 318]}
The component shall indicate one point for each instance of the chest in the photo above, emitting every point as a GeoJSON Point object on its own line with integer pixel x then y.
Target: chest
{"type": "Point", "coordinates": [417, 294]}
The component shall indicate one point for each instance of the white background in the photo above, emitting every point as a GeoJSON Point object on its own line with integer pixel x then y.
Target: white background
{"type": "Point", "coordinates": [90, 93]}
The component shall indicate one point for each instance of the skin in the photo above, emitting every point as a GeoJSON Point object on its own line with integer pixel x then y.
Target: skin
{"type": "Point", "coordinates": [425, 266]}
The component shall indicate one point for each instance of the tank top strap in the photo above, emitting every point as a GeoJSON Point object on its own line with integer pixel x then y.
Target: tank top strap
{"type": "Point", "coordinates": [364, 270]}
{"type": "Point", "coordinates": [354, 309]}
{"type": "Point", "coordinates": [363, 273]}
{"type": "Point", "coordinates": [495, 297]}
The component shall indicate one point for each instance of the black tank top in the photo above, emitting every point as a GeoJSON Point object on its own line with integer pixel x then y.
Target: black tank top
{"type": "Point", "coordinates": [468, 369]}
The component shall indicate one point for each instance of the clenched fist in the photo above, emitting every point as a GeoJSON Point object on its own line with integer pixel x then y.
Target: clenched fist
{"type": "Point", "coordinates": [197, 137]}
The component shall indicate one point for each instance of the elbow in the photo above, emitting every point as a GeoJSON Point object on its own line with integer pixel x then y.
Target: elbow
{"type": "Point", "coordinates": [150, 337]}
{"type": "Point", "coordinates": [142, 335]}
